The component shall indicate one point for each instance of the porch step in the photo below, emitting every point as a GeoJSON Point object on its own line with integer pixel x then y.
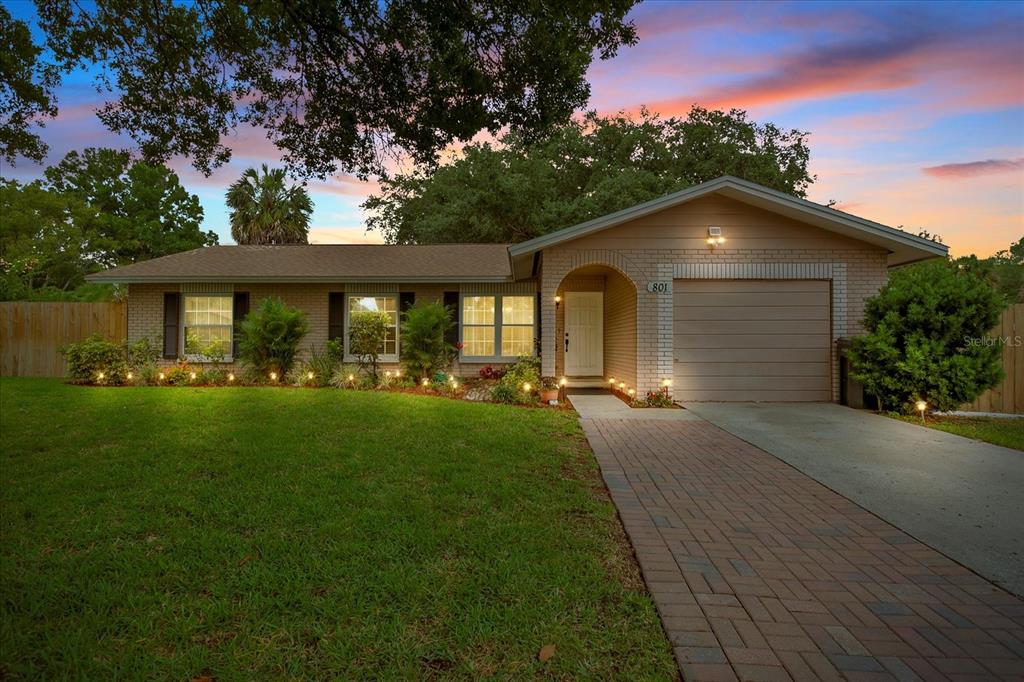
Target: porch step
{"type": "Point", "coordinates": [585, 382]}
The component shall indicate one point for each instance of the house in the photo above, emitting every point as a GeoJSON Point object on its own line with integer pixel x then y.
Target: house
{"type": "Point", "coordinates": [731, 290]}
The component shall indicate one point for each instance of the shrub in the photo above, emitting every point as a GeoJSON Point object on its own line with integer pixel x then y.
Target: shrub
{"type": "Point", "coordinates": [424, 349]}
{"type": "Point", "coordinates": [95, 356]}
{"type": "Point", "coordinates": [526, 370]}
{"type": "Point", "coordinates": [269, 337]}
{"type": "Point", "coordinates": [655, 399]}
{"type": "Point", "coordinates": [925, 339]}
{"type": "Point", "coordinates": [182, 376]}
{"type": "Point", "coordinates": [503, 393]}
{"type": "Point", "coordinates": [488, 372]}
{"type": "Point", "coordinates": [367, 332]}
{"type": "Point", "coordinates": [345, 376]}
{"type": "Point", "coordinates": [321, 363]}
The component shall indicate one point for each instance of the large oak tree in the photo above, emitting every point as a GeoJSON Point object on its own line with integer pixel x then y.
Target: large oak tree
{"type": "Point", "coordinates": [338, 84]}
{"type": "Point", "coordinates": [522, 188]}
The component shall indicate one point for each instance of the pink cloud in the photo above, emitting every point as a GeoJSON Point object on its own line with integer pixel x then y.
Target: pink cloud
{"type": "Point", "coordinates": [975, 168]}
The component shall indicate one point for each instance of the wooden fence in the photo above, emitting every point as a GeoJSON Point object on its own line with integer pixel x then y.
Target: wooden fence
{"type": "Point", "coordinates": [1007, 397]}
{"type": "Point", "coordinates": [31, 334]}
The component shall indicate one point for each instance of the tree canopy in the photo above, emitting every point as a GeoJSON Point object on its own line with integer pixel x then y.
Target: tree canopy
{"type": "Point", "coordinates": [26, 91]}
{"type": "Point", "coordinates": [265, 209]}
{"type": "Point", "coordinates": [92, 210]}
{"type": "Point", "coordinates": [1004, 270]}
{"type": "Point", "coordinates": [337, 84]}
{"type": "Point", "coordinates": [521, 188]}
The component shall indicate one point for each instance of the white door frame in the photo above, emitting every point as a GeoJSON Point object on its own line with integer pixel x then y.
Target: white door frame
{"type": "Point", "coordinates": [575, 365]}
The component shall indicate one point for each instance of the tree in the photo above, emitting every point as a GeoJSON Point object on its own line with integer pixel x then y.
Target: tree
{"type": "Point", "coordinates": [1004, 270]}
{"type": "Point", "coordinates": [424, 348]}
{"type": "Point", "coordinates": [265, 210]}
{"type": "Point", "coordinates": [927, 338]}
{"type": "Point", "coordinates": [336, 84]}
{"type": "Point", "coordinates": [129, 210]}
{"type": "Point", "coordinates": [26, 91]}
{"type": "Point", "coordinates": [520, 188]}
{"type": "Point", "coordinates": [367, 332]}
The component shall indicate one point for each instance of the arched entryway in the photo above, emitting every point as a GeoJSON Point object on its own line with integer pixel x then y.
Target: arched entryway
{"type": "Point", "coordinates": [596, 327]}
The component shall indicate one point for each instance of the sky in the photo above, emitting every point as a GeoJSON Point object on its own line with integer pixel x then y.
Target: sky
{"type": "Point", "coordinates": [916, 110]}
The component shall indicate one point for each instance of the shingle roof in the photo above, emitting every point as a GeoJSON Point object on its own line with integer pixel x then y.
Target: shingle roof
{"type": "Point", "coordinates": [322, 262]}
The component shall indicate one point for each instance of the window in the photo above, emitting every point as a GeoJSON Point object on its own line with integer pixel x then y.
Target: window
{"type": "Point", "coordinates": [497, 326]}
{"type": "Point", "coordinates": [208, 325]}
{"type": "Point", "coordinates": [377, 304]}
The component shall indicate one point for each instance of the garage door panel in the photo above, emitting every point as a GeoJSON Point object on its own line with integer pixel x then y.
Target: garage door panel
{"type": "Point", "coordinates": [752, 298]}
{"type": "Point", "coordinates": [742, 327]}
{"type": "Point", "coordinates": [771, 369]}
{"type": "Point", "coordinates": [763, 312]}
{"type": "Point", "coordinates": [752, 340]}
{"type": "Point", "coordinates": [767, 341]}
{"type": "Point", "coordinates": [769, 355]}
{"type": "Point", "coordinates": [747, 383]}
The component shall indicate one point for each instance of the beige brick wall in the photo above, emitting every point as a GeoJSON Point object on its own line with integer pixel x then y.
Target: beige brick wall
{"type": "Point", "coordinates": [146, 307]}
{"type": "Point", "coordinates": [661, 246]}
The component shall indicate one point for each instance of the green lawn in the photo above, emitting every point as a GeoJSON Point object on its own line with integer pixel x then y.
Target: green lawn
{"type": "Point", "coordinates": [1006, 432]}
{"type": "Point", "coordinates": [247, 533]}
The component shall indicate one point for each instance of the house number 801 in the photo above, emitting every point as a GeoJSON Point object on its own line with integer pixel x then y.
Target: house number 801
{"type": "Point", "coordinates": [659, 287]}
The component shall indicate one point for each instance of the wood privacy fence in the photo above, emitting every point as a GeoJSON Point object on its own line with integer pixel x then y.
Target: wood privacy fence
{"type": "Point", "coordinates": [1007, 397]}
{"type": "Point", "coordinates": [31, 334]}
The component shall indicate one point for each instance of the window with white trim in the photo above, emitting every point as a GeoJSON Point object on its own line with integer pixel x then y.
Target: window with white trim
{"type": "Point", "coordinates": [387, 303]}
{"type": "Point", "coordinates": [498, 326]}
{"type": "Point", "coordinates": [207, 325]}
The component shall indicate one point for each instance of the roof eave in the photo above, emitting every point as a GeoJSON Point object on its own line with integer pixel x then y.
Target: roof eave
{"type": "Point", "coordinates": [161, 279]}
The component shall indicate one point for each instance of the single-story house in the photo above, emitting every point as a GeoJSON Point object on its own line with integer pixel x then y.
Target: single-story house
{"type": "Point", "coordinates": [731, 290]}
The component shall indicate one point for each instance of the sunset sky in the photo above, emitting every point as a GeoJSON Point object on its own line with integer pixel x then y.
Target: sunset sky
{"type": "Point", "coordinates": [916, 110]}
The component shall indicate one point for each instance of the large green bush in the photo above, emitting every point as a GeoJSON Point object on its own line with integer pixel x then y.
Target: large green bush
{"type": "Point", "coordinates": [367, 332]}
{"type": "Point", "coordinates": [926, 339]}
{"type": "Point", "coordinates": [424, 348]}
{"type": "Point", "coordinates": [269, 337]}
{"type": "Point", "coordinates": [96, 361]}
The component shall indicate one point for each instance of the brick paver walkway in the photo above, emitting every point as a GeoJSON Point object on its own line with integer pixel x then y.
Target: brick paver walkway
{"type": "Point", "coordinates": [761, 573]}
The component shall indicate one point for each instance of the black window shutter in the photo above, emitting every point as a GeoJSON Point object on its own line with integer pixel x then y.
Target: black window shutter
{"type": "Point", "coordinates": [538, 317]}
{"type": "Point", "coordinates": [238, 312]}
{"type": "Point", "coordinates": [451, 301]}
{"type": "Point", "coordinates": [335, 315]}
{"type": "Point", "coordinates": [172, 310]}
{"type": "Point", "coordinates": [406, 300]}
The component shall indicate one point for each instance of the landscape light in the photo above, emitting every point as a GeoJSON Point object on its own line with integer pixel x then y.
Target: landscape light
{"type": "Point", "coordinates": [388, 374]}
{"type": "Point", "coordinates": [426, 381]}
{"type": "Point", "coordinates": [611, 380]}
{"type": "Point", "coordinates": [563, 381]}
{"type": "Point", "coordinates": [632, 392]}
{"type": "Point", "coordinates": [622, 385]}
{"type": "Point", "coordinates": [99, 375]}
{"type": "Point", "coordinates": [351, 377]}
{"type": "Point", "coordinates": [309, 376]}
{"type": "Point", "coordinates": [398, 373]}
{"type": "Point", "coordinates": [231, 377]}
{"type": "Point", "coordinates": [161, 376]}
{"type": "Point", "coordinates": [129, 376]}
{"type": "Point", "coordinates": [921, 407]}
{"type": "Point", "coordinates": [455, 385]}
{"type": "Point", "coordinates": [192, 376]}
{"type": "Point", "coordinates": [526, 387]}
{"type": "Point", "coordinates": [666, 382]}
{"type": "Point", "coordinates": [273, 376]}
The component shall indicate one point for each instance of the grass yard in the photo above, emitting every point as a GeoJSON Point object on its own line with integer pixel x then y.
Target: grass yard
{"type": "Point", "coordinates": [1006, 432]}
{"type": "Point", "coordinates": [273, 533]}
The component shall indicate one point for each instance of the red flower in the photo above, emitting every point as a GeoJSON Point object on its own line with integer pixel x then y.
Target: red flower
{"type": "Point", "coordinates": [459, 345]}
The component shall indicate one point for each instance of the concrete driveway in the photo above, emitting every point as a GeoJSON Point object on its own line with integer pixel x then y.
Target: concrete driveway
{"type": "Point", "coordinates": [962, 497]}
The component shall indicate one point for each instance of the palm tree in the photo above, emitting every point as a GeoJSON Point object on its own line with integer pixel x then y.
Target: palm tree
{"type": "Point", "coordinates": [264, 210]}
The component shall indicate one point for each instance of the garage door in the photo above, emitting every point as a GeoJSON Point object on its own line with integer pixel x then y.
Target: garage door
{"type": "Point", "coordinates": [740, 340]}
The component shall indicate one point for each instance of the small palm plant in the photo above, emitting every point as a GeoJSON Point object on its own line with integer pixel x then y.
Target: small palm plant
{"type": "Point", "coordinates": [265, 210]}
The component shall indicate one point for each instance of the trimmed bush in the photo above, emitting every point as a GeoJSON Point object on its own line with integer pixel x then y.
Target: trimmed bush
{"type": "Point", "coordinates": [424, 349]}
{"type": "Point", "coordinates": [96, 361]}
{"type": "Point", "coordinates": [925, 339]}
{"type": "Point", "coordinates": [269, 338]}
{"type": "Point", "coordinates": [345, 376]}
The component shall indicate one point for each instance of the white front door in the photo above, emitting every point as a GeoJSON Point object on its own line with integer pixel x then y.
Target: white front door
{"type": "Point", "coordinates": [584, 333]}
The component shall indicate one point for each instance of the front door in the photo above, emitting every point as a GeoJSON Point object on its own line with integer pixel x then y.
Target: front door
{"type": "Point", "coordinates": [584, 333]}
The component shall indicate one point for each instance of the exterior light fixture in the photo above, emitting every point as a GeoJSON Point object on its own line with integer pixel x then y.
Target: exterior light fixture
{"type": "Point", "coordinates": [563, 381]}
{"type": "Point", "coordinates": [455, 385]}
{"type": "Point", "coordinates": [526, 387]}
{"type": "Point", "coordinates": [351, 377]}
{"type": "Point", "coordinates": [558, 301]}
{"type": "Point", "coordinates": [388, 374]}
{"type": "Point", "coordinates": [309, 376]}
{"type": "Point", "coordinates": [161, 375]}
{"type": "Point", "coordinates": [632, 393]}
{"type": "Point", "coordinates": [100, 375]}
{"type": "Point", "coordinates": [231, 377]}
{"type": "Point", "coordinates": [426, 381]}
{"type": "Point", "coordinates": [130, 376]}
{"type": "Point", "coordinates": [622, 385]}
{"type": "Point", "coordinates": [192, 376]}
{"type": "Point", "coordinates": [715, 237]}
{"type": "Point", "coordinates": [921, 407]}
{"type": "Point", "coordinates": [666, 382]}
{"type": "Point", "coordinates": [273, 376]}
{"type": "Point", "coordinates": [398, 373]}
{"type": "Point", "coordinates": [611, 380]}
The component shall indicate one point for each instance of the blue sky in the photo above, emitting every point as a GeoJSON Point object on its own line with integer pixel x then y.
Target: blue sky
{"type": "Point", "coordinates": [916, 110]}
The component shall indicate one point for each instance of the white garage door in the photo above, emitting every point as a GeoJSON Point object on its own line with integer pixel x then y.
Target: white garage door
{"type": "Point", "coordinates": [740, 340]}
